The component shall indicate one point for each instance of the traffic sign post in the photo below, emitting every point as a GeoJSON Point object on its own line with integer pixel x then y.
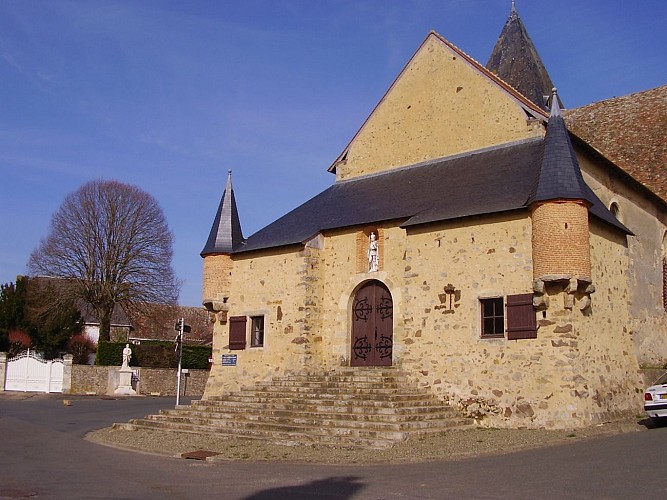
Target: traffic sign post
{"type": "Point", "coordinates": [181, 328]}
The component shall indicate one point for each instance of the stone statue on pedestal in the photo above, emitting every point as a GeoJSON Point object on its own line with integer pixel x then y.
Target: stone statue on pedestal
{"type": "Point", "coordinates": [125, 373]}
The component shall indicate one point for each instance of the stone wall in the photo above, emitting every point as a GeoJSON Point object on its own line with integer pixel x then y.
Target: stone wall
{"type": "Point", "coordinates": [277, 285]}
{"type": "Point", "coordinates": [580, 369]}
{"type": "Point", "coordinates": [434, 109]}
{"type": "Point", "coordinates": [103, 380]}
{"type": "Point", "coordinates": [645, 217]}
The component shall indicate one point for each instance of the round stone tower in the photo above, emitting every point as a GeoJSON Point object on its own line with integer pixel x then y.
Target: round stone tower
{"type": "Point", "coordinates": [225, 235]}
{"type": "Point", "coordinates": [559, 209]}
{"type": "Point", "coordinates": [561, 247]}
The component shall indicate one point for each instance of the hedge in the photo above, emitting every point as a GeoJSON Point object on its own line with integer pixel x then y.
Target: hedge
{"type": "Point", "coordinates": [154, 354]}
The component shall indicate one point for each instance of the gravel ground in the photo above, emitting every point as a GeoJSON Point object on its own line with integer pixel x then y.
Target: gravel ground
{"type": "Point", "coordinates": [450, 445]}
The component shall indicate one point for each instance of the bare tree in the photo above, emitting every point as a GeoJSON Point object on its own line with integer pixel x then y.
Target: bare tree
{"type": "Point", "coordinates": [111, 242]}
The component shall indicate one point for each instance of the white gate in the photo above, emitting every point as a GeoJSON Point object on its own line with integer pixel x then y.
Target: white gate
{"type": "Point", "coordinates": [28, 372]}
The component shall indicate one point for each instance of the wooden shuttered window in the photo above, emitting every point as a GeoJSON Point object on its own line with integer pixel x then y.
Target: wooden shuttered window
{"type": "Point", "coordinates": [521, 322]}
{"type": "Point", "coordinates": [237, 332]}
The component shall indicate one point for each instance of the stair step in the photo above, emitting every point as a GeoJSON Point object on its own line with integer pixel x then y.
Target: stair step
{"type": "Point", "coordinates": [314, 419]}
{"type": "Point", "coordinates": [351, 407]}
{"type": "Point", "coordinates": [328, 398]}
{"type": "Point", "coordinates": [288, 409]}
{"type": "Point", "coordinates": [298, 437]}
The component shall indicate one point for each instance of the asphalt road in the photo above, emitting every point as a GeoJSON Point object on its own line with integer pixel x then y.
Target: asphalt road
{"type": "Point", "coordinates": [43, 455]}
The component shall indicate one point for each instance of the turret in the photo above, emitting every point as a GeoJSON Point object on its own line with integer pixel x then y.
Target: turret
{"type": "Point", "coordinates": [224, 237]}
{"type": "Point", "coordinates": [559, 211]}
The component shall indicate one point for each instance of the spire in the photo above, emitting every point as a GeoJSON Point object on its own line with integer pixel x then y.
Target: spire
{"type": "Point", "coordinates": [560, 176]}
{"type": "Point", "coordinates": [516, 61]}
{"type": "Point", "coordinates": [226, 231]}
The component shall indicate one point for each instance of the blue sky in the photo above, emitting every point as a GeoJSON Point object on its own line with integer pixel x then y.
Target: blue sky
{"type": "Point", "coordinates": [169, 95]}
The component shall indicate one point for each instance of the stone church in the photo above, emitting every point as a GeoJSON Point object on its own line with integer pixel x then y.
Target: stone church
{"type": "Point", "coordinates": [495, 247]}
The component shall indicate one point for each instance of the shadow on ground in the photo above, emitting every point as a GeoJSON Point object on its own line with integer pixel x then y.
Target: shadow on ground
{"type": "Point", "coordinates": [333, 487]}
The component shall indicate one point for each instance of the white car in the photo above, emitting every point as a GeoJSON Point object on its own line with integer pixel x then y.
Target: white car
{"type": "Point", "coordinates": [655, 400]}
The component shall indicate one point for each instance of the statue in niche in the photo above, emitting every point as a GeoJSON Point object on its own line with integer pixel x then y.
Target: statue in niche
{"type": "Point", "coordinates": [373, 254]}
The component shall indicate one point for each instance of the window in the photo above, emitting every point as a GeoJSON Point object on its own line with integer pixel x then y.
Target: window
{"type": "Point", "coordinates": [237, 331]}
{"type": "Point", "coordinates": [257, 331]}
{"type": "Point", "coordinates": [493, 317]}
{"type": "Point", "coordinates": [521, 320]}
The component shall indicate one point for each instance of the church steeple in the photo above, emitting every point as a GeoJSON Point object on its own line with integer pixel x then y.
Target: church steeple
{"type": "Point", "coordinates": [226, 230]}
{"type": "Point", "coordinates": [516, 61]}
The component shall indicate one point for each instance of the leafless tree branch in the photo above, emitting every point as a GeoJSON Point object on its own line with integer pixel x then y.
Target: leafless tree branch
{"type": "Point", "coordinates": [111, 242]}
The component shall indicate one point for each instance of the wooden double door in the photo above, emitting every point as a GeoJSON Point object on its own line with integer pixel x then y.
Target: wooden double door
{"type": "Point", "coordinates": [372, 326]}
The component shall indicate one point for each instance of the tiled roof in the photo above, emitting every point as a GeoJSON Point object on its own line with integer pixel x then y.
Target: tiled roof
{"type": "Point", "coordinates": [631, 131]}
{"type": "Point", "coordinates": [497, 179]}
{"type": "Point", "coordinates": [157, 321]}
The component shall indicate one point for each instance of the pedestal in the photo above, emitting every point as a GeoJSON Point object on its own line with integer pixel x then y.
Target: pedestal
{"type": "Point", "coordinates": [125, 385]}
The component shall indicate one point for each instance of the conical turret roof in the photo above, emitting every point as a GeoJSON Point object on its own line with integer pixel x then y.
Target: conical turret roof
{"type": "Point", "coordinates": [515, 60]}
{"type": "Point", "coordinates": [226, 230]}
{"type": "Point", "coordinates": [560, 175]}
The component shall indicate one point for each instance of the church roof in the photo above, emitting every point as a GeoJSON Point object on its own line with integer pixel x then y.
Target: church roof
{"type": "Point", "coordinates": [487, 181]}
{"type": "Point", "coordinates": [515, 60]}
{"type": "Point", "coordinates": [226, 230]}
{"type": "Point", "coordinates": [629, 131]}
{"type": "Point", "coordinates": [560, 176]}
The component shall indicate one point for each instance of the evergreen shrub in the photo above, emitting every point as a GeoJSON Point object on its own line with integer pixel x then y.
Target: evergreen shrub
{"type": "Point", "coordinates": [157, 354]}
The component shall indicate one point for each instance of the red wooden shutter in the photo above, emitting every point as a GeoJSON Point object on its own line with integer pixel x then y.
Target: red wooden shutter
{"type": "Point", "coordinates": [237, 331]}
{"type": "Point", "coordinates": [521, 323]}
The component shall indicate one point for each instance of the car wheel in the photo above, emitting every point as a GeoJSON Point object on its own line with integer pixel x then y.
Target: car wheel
{"type": "Point", "coordinates": [659, 421]}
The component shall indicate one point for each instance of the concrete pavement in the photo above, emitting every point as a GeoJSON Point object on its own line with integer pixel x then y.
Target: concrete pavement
{"type": "Point", "coordinates": [43, 455]}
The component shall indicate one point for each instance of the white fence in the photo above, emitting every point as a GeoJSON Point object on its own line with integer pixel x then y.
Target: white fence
{"type": "Point", "coordinates": [28, 372]}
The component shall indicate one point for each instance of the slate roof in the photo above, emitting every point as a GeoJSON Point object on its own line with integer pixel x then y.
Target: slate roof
{"type": "Point", "coordinates": [560, 176]}
{"type": "Point", "coordinates": [630, 131]}
{"type": "Point", "coordinates": [492, 180]}
{"type": "Point", "coordinates": [515, 60]}
{"type": "Point", "coordinates": [118, 317]}
{"type": "Point", "coordinates": [226, 229]}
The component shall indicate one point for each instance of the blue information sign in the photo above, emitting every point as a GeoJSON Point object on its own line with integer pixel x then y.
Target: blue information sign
{"type": "Point", "coordinates": [229, 360]}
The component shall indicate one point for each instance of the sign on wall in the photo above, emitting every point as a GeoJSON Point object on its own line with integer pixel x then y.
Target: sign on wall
{"type": "Point", "coordinates": [229, 360]}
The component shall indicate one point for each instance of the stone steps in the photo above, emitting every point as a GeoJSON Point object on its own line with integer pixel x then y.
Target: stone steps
{"type": "Point", "coordinates": [389, 421]}
{"type": "Point", "coordinates": [353, 408]}
{"type": "Point", "coordinates": [290, 436]}
{"type": "Point", "coordinates": [329, 407]}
